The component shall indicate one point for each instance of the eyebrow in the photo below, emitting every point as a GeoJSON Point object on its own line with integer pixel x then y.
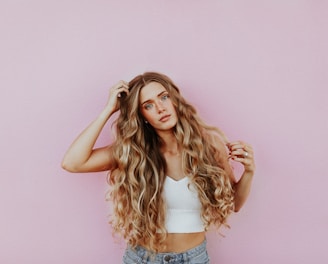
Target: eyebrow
{"type": "Point", "coordinates": [159, 95]}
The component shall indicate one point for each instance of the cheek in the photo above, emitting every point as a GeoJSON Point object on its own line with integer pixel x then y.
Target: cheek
{"type": "Point", "coordinates": [173, 108]}
{"type": "Point", "coordinates": [145, 114]}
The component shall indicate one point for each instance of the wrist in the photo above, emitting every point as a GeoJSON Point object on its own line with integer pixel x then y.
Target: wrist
{"type": "Point", "coordinates": [106, 113]}
{"type": "Point", "coordinates": [248, 173]}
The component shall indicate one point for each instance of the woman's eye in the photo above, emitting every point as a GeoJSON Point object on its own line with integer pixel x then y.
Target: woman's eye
{"type": "Point", "coordinates": [148, 106]}
{"type": "Point", "coordinates": [165, 97]}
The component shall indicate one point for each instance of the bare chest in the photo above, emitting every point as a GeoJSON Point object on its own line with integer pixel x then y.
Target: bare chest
{"type": "Point", "coordinates": [174, 166]}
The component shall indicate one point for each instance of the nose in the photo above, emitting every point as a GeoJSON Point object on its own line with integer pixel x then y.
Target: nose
{"type": "Point", "coordinates": [160, 107]}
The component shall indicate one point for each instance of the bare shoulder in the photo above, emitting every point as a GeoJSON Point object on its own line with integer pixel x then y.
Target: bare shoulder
{"type": "Point", "coordinates": [222, 153]}
{"type": "Point", "coordinates": [216, 140]}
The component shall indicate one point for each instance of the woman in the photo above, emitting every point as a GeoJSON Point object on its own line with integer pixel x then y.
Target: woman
{"type": "Point", "coordinates": [169, 172]}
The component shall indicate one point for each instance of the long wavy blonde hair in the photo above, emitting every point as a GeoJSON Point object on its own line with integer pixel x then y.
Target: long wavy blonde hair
{"type": "Point", "coordinates": [138, 174]}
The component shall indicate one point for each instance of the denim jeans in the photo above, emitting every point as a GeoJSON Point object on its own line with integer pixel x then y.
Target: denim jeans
{"type": "Point", "coordinates": [140, 255]}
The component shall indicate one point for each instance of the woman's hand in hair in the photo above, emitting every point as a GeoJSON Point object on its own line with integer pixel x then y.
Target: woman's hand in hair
{"type": "Point", "coordinates": [115, 92]}
{"type": "Point", "coordinates": [243, 153]}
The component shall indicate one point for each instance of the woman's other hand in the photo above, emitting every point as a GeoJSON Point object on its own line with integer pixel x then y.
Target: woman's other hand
{"type": "Point", "coordinates": [242, 152]}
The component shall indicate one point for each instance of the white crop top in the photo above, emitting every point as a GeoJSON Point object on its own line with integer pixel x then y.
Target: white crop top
{"type": "Point", "coordinates": [183, 207]}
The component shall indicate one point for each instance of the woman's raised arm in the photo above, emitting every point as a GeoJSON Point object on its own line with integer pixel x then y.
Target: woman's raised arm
{"type": "Point", "coordinates": [81, 156]}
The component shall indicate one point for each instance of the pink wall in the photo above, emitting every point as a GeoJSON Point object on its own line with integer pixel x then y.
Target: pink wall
{"type": "Point", "coordinates": [257, 69]}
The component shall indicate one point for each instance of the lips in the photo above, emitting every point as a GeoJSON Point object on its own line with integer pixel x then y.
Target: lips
{"type": "Point", "coordinates": [165, 118]}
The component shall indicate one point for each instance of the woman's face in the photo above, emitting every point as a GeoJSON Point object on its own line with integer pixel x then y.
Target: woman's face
{"type": "Point", "coordinates": [157, 108]}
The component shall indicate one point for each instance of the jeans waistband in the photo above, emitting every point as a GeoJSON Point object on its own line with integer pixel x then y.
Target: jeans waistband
{"type": "Point", "coordinates": [171, 257]}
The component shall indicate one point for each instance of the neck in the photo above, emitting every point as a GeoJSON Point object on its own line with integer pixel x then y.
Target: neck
{"type": "Point", "coordinates": [169, 143]}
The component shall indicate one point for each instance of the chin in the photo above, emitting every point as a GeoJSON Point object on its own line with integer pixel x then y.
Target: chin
{"type": "Point", "coordinates": [166, 127]}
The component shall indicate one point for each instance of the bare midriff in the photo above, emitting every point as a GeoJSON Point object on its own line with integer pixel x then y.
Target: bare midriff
{"type": "Point", "coordinates": [180, 242]}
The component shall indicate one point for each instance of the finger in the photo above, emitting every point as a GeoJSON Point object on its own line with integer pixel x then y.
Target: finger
{"type": "Point", "coordinates": [242, 156]}
{"type": "Point", "coordinates": [239, 145]}
{"type": "Point", "coordinates": [119, 88]}
{"type": "Point", "coordinates": [236, 145]}
{"type": "Point", "coordinates": [246, 162]}
{"type": "Point", "coordinates": [124, 85]}
{"type": "Point", "coordinates": [121, 84]}
{"type": "Point", "coordinates": [241, 159]}
{"type": "Point", "coordinates": [122, 90]}
{"type": "Point", "coordinates": [247, 151]}
{"type": "Point", "coordinates": [241, 153]}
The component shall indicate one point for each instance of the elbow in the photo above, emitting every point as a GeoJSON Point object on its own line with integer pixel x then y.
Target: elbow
{"type": "Point", "coordinates": [65, 166]}
{"type": "Point", "coordinates": [237, 209]}
{"type": "Point", "coordinates": [237, 206]}
{"type": "Point", "coordinates": [68, 166]}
